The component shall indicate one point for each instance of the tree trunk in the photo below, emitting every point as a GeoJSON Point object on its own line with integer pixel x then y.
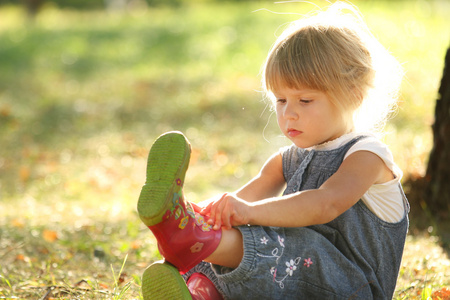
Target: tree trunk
{"type": "Point", "coordinates": [32, 7]}
{"type": "Point", "coordinates": [437, 194]}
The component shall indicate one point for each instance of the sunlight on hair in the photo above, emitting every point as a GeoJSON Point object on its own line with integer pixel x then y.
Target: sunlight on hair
{"type": "Point", "coordinates": [333, 50]}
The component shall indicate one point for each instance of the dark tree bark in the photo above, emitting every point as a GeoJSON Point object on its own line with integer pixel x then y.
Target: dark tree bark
{"type": "Point", "coordinates": [32, 7]}
{"type": "Point", "coordinates": [437, 177]}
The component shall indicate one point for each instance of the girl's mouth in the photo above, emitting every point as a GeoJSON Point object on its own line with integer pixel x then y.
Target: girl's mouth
{"type": "Point", "coordinates": [293, 132]}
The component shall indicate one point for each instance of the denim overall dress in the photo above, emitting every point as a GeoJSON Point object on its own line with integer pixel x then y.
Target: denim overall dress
{"type": "Point", "coordinates": [355, 256]}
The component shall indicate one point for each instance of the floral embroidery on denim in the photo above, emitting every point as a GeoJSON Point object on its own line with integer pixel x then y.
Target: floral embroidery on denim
{"type": "Point", "coordinates": [291, 265]}
{"type": "Point", "coordinates": [308, 262]}
{"type": "Point", "coordinates": [275, 251]}
{"type": "Point", "coordinates": [273, 271]}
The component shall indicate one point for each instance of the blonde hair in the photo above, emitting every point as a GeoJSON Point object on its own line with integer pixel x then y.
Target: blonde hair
{"type": "Point", "coordinates": [334, 52]}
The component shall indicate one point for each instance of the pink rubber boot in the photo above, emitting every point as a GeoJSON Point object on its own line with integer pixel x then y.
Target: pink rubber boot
{"type": "Point", "coordinates": [184, 238]}
{"type": "Point", "coordinates": [162, 281]}
{"type": "Point", "coordinates": [201, 288]}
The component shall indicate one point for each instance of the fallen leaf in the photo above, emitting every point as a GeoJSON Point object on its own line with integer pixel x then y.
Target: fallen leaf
{"type": "Point", "coordinates": [121, 278]}
{"type": "Point", "coordinates": [5, 111]}
{"type": "Point", "coordinates": [443, 294]}
{"type": "Point", "coordinates": [50, 235]}
{"type": "Point", "coordinates": [24, 173]}
{"type": "Point", "coordinates": [17, 223]}
{"type": "Point", "coordinates": [135, 245]}
{"type": "Point", "coordinates": [21, 257]}
{"type": "Point", "coordinates": [43, 250]}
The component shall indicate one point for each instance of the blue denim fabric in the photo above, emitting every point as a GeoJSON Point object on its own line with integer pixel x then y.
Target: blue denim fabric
{"type": "Point", "coordinates": [355, 256]}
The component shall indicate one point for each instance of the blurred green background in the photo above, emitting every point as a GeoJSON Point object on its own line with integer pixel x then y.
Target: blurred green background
{"type": "Point", "coordinates": [86, 86]}
{"type": "Point", "coordinates": [84, 93]}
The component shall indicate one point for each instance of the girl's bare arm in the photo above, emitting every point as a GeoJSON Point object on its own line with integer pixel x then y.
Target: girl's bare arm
{"type": "Point", "coordinates": [336, 195]}
{"type": "Point", "coordinates": [340, 192]}
{"type": "Point", "coordinates": [268, 183]}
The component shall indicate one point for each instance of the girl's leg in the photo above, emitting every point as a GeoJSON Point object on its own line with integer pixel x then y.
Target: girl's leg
{"type": "Point", "coordinates": [230, 251]}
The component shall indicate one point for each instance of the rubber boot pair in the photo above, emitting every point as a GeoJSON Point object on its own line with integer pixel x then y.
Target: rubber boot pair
{"type": "Point", "coordinates": [183, 235]}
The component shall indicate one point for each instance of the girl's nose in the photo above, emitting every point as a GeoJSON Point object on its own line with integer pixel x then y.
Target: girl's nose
{"type": "Point", "coordinates": [290, 113]}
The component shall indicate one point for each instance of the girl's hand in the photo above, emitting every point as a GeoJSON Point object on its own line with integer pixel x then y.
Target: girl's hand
{"type": "Point", "coordinates": [227, 211]}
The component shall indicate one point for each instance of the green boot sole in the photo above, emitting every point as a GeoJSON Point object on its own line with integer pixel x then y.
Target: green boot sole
{"type": "Point", "coordinates": [167, 163]}
{"type": "Point", "coordinates": [162, 281]}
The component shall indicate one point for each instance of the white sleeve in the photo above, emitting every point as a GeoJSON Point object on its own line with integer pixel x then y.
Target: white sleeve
{"type": "Point", "coordinates": [372, 144]}
{"type": "Point", "coordinates": [385, 200]}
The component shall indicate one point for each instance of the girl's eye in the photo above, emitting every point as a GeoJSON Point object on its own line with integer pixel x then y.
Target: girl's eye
{"type": "Point", "coordinates": [281, 101]}
{"type": "Point", "coordinates": [306, 101]}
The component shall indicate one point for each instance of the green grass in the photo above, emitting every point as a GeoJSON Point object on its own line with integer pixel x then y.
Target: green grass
{"type": "Point", "coordinates": [84, 94]}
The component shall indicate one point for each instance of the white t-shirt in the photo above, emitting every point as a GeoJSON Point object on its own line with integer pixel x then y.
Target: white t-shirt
{"type": "Point", "coordinates": [385, 200]}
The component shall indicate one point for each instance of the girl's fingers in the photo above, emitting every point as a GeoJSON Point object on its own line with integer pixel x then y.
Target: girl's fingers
{"type": "Point", "coordinates": [210, 207]}
{"type": "Point", "coordinates": [226, 219]}
{"type": "Point", "coordinates": [217, 212]}
{"type": "Point", "coordinates": [207, 209]}
{"type": "Point", "coordinates": [215, 209]}
{"type": "Point", "coordinates": [227, 212]}
{"type": "Point", "coordinates": [218, 220]}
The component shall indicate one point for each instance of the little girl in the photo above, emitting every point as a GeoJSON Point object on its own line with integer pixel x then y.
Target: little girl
{"type": "Point", "coordinates": [338, 230]}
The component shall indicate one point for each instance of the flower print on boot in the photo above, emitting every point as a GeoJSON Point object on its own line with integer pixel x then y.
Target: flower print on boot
{"type": "Point", "coordinates": [182, 240]}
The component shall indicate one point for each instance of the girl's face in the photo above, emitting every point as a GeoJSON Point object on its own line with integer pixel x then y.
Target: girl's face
{"type": "Point", "coordinates": [307, 117]}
